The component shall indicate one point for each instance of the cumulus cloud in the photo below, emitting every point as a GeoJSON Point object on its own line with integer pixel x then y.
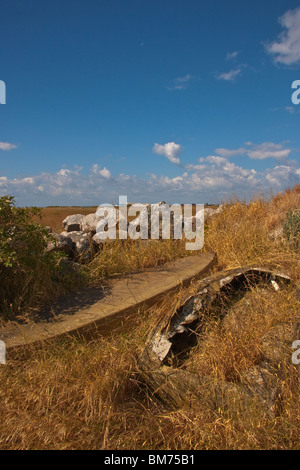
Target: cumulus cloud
{"type": "Point", "coordinates": [286, 48]}
{"type": "Point", "coordinates": [258, 152]}
{"type": "Point", "coordinates": [7, 146]}
{"type": "Point", "coordinates": [213, 159]}
{"type": "Point", "coordinates": [102, 172]}
{"type": "Point", "coordinates": [105, 173]}
{"type": "Point", "coordinates": [170, 150]}
{"type": "Point", "coordinates": [229, 76]}
{"type": "Point", "coordinates": [230, 153]}
{"type": "Point", "coordinates": [214, 177]}
{"type": "Point", "coordinates": [269, 150]}
{"type": "Point", "coordinates": [282, 176]}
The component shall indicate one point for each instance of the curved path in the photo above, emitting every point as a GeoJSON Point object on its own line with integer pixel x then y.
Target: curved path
{"type": "Point", "coordinates": [93, 311]}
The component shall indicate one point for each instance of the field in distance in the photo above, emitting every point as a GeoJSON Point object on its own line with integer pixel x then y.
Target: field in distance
{"type": "Point", "coordinates": [54, 215]}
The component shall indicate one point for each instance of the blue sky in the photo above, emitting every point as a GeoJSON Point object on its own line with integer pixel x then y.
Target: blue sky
{"type": "Point", "coordinates": [182, 100]}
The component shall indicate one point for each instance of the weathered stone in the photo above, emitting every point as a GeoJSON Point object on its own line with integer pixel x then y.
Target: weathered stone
{"type": "Point", "coordinates": [208, 212]}
{"type": "Point", "coordinates": [98, 240]}
{"type": "Point", "coordinates": [60, 243]}
{"type": "Point", "coordinates": [220, 209]}
{"type": "Point", "coordinates": [89, 223]}
{"type": "Point", "coordinates": [150, 221]}
{"type": "Point", "coordinates": [72, 223]}
{"type": "Point", "coordinates": [83, 245]}
{"type": "Point", "coordinates": [107, 222]}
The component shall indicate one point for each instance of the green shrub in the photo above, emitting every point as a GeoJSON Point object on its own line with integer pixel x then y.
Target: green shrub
{"type": "Point", "coordinates": [29, 275]}
{"type": "Point", "coordinates": [291, 227]}
{"type": "Point", "coordinates": [20, 239]}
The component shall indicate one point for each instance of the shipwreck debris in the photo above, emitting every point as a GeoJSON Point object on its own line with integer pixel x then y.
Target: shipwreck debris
{"type": "Point", "coordinates": [168, 346]}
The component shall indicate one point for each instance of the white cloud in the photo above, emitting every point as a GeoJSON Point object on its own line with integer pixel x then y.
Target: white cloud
{"type": "Point", "coordinates": [214, 178]}
{"type": "Point", "coordinates": [213, 159]}
{"type": "Point", "coordinates": [103, 172]}
{"type": "Point", "coordinates": [286, 49]}
{"type": "Point", "coordinates": [64, 172]}
{"type": "Point", "coordinates": [290, 109]}
{"type": "Point", "coordinates": [7, 146]}
{"type": "Point", "coordinates": [3, 181]}
{"type": "Point", "coordinates": [230, 153]}
{"type": "Point", "coordinates": [170, 150]}
{"type": "Point", "coordinates": [258, 152]}
{"type": "Point", "coordinates": [232, 55]}
{"type": "Point", "coordinates": [180, 83]}
{"type": "Point", "coordinates": [269, 150]}
{"type": "Point", "coordinates": [282, 176]}
{"type": "Point", "coordinates": [192, 167]}
{"type": "Point", "coordinates": [229, 76]}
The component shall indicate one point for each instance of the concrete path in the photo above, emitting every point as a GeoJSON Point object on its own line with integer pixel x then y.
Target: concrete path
{"type": "Point", "coordinates": [94, 311]}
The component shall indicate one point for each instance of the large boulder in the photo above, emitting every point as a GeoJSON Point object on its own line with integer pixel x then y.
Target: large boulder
{"type": "Point", "coordinates": [209, 212]}
{"type": "Point", "coordinates": [141, 224]}
{"type": "Point", "coordinates": [72, 223]}
{"type": "Point", "coordinates": [150, 221]}
{"type": "Point", "coordinates": [60, 243]}
{"type": "Point", "coordinates": [83, 246]}
{"type": "Point", "coordinates": [220, 209]}
{"type": "Point", "coordinates": [107, 221]}
{"type": "Point", "coordinates": [89, 223]}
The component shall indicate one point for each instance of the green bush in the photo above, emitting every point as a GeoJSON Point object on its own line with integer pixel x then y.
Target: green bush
{"type": "Point", "coordinates": [20, 239]}
{"type": "Point", "coordinates": [291, 227]}
{"type": "Point", "coordinates": [29, 275]}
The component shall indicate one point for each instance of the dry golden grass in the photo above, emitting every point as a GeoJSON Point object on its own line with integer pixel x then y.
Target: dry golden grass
{"type": "Point", "coordinates": [73, 395]}
{"type": "Point", "coordinates": [77, 395]}
{"type": "Point", "coordinates": [242, 235]}
{"type": "Point", "coordinates": [117, 257]}
{"type": "Point", "coordinates": [53, 216]}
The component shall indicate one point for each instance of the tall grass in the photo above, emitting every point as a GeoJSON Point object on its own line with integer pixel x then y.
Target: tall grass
{"type": "Point", "coordinates": [242, 234]}
{"type": "Point", "coordinates": [76, 395]}
{"type": "Point", "coordinates": [118, 256]}
{"type": "Point", "coordinates": [73, 395]}
{"type": "Point", "coordinates": [53, 216]}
